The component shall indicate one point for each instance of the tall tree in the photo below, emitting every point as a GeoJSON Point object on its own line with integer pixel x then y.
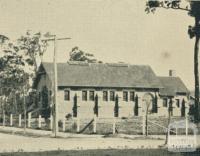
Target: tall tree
{"type": "Point", "coordinates": [13, 77]}
{"type": "Point", "coordinates": [19, 61]}
{"type": "Point", "coordinates": [78, 55]}
{"type": "Point", "coordinates": [33, 47]}
{"type": "Point", "coordinates": [193, 9]}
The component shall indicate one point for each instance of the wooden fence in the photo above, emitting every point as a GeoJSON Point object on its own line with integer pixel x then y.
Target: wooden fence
{"type": "Point", "coordinates": [133, 125]}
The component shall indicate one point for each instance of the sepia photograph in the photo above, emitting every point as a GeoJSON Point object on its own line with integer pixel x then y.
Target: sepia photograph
{"type": "Point", "coordinates": [99, 77]}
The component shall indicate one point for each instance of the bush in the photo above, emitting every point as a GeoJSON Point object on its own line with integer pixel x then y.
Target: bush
{"type": "Point", "coordinates": [60, 123]}
{"type": "Point", "coordinates": [68, 116]}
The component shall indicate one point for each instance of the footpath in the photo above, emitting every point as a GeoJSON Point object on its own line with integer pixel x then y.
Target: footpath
{"type": "Point", "coordinates": [14, 140]}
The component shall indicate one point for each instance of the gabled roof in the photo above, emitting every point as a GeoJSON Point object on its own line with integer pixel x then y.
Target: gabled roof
{"type": "Point", "coordinates": [104, 75]}
{"type": "Point", "coordinates": [172, 86]}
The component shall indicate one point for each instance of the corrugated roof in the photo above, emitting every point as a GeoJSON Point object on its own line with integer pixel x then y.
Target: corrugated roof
{"type": "Point", "coordinates": [172, 86]}
{"type": "Point", "coordinates": [104, 75]}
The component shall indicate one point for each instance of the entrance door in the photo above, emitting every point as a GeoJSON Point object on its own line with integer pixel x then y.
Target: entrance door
{"type": "Point", "coordinates": [148, 102]}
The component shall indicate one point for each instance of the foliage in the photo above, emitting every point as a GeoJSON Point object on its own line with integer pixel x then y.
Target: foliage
{"type": "Point", "coordinates": [45, 102]}
{"type": "Point", "coordinates": [193, 9]}
{"type": "Point", "coordinates": [12, 73]}
{"type": "Point", "coordinates": [155, 105]}
{"type": "Point", "coordinates": [75, 107]}
{"type": "Point", "coordinates": [19, 57]}
{"type": "Point", "coordinates": [136, 106]}
{"type": "Point", "coordinates": [96, 107]}
{"type": "Point", "coordinates": [18, 64]}
{"type": "Point", "coordinates": [183, 108]}
{"type": "Point", "coordinates": [11, 66]}
{"type": "Point", "coordinates": [116, 107]}
{"type": "Point", "coordinates": [78, 55]}
{"type": "Point", "coordinates": [33, 47]}
{"type": "Point", "coordinates": [167, 4]}
{"type": "Point", "coordinates": [170, 108]}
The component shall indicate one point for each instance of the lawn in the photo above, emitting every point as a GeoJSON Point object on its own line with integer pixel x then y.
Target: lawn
{"type": "Point", "coordinates": [108, 152]}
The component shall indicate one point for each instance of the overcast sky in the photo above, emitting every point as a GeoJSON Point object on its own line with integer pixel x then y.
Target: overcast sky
{"type": "Point", "coordinates": [113, 30]}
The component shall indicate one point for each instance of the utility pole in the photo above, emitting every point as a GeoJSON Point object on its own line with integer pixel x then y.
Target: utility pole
{"type": "Point", "coordinates": [55, 115]}
{"type": "Point", "coordinates": [55, 88]}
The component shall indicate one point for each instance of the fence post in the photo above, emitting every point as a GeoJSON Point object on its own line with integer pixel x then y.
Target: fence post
{"type": "Point", "coordinates": [114, 125]}
{"type": "Point", "coordinates": [4, 118]}
{"type": "Point", "coordinates": [186, 124]}
{"type": "Point", "coordinates": [39, 121]}
{"type": "Point", "coordinates": [51, 122]}
{"type": "Point", "coordinates": [11, 119]}
{"type": "Point", "coordinates": [29, 119]}
{"type": "Point", "coordinates": [63, 124]}
{"type": "Point", "coordinates": [20, 120]}
{"type": "Point", "coordinates": [143, 125]}
{"type": "Point", "coordinates": [78, 124]}
{"type": "Point", "coordinates": [95, 124]}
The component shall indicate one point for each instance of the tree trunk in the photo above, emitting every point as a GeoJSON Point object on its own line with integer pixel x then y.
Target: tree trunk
{"type": "Point", "coordinates": [169, 120]}
{"type": "Point", "coordinates": [196, 76]}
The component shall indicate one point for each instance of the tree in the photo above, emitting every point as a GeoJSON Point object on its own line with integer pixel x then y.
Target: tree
{"type": "Point", "coordinates": [78, 55]}
{"type": "Point", "coordinates": [12, 74]}
{"type": "Point", "coordinates": [45, 101]}
{"type": "Point", "coordinates": [193, 10]}
{"type": "Point", "coordinates": [75, 106]}
{"type": "Point", "coordinates": [183, 108]}
{"type": "Point", "coordinates": [96, 105]}
{"type": "Point", "coordinates": [136, 106]}
{"type": "Point", "coordinates": [18, 65]}
{"type": "Point", "coordinates": [13, 77]}
{"type": "Point", "coordinates": [33, 47]}
{"type": "Point", "coordinates": [155, 105]}
{"type": "Point", "coordinates": [116, 107]}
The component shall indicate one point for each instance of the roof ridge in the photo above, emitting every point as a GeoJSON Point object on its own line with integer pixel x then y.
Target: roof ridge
{"type": "Point", "coordinates": [106, 64]}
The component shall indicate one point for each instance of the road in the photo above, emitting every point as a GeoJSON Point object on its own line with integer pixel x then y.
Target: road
{"type": "Point", "coordinates": [15, 143]}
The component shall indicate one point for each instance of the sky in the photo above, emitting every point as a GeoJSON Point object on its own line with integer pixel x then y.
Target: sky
{"type": "Point", "coordinates": [113, 30]}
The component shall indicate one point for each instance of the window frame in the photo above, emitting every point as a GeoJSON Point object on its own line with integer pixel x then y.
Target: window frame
{"type": "Point", "coordinates": [67, 98]}
{"type": "Point", "coordinates": [125, 97]}
{"type": "Point", "coordinates": [165, 100]}
{"type": "Point", "coordinates": [84, 98]}
{"type": "Point", "coordinates": [112, 98]}
{"type": "Point", "coordinates": [177, 103]}
{"type": "Point", "coordinates": [105, 98]}
{"type": "Point", "coordinates": [132, 98]}
{"type": "Point", "coordinates": [91, 98]}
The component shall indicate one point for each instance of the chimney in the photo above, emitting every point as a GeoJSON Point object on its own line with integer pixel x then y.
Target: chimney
{"type": "Point", "coordinates": [172, 73]}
